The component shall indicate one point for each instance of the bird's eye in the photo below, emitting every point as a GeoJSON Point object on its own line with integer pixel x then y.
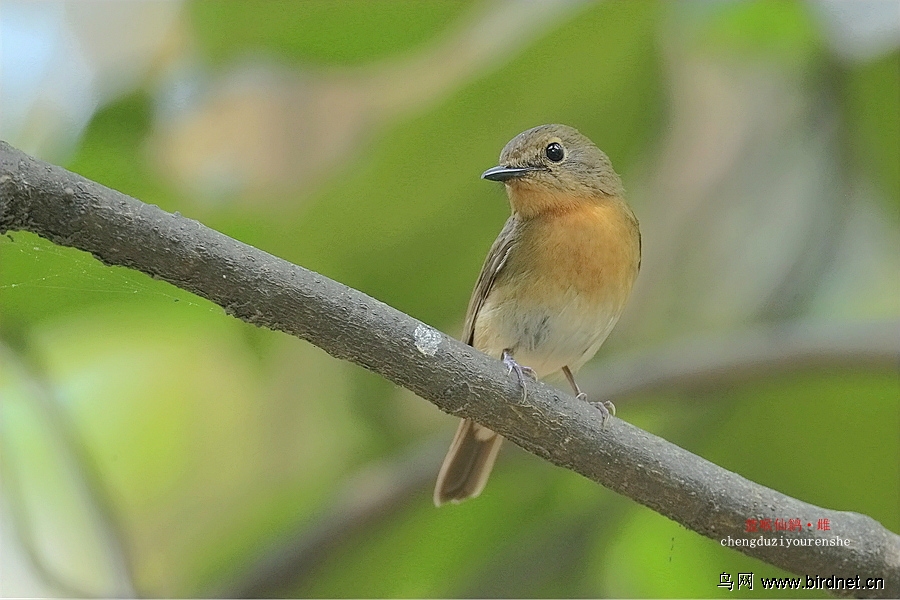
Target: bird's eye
{"type": "Point", "coordinates": [555, 151]}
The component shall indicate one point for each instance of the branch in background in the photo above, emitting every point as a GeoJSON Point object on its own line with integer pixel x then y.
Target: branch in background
{"type": "Point", "coordinates": [761, 352]}
{"type": "Point", "coordinates": [376, 492]}
{"type": "Point", "coordinates": [77, 457]}
{"type": "Point", "coordinates": [264, 290]}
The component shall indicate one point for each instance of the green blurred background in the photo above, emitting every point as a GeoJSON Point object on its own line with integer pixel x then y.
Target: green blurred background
{"type": "Point", "coordinates": [152, 445]}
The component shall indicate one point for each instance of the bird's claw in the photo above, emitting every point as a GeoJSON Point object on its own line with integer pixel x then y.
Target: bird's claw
{"type": "Point", "coordinates": [522, 372]}
{"type": "Point", "coordinates": [606, 409]}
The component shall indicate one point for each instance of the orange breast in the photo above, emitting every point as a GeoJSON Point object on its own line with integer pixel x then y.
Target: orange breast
{"type": "Point", "coordinates": [593, 248]}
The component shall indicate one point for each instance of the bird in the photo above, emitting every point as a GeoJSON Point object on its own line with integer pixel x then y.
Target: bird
{"type": "Point", "coordinates": [553, 284]}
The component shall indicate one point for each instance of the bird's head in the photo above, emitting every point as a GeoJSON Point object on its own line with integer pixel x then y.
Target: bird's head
{"type": "Point", "coordinates": [551, 166]}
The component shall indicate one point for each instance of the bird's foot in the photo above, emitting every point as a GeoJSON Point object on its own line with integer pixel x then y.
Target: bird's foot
{"type": "Point", "coordinates": [522, 372]}
{"type": "Point", "coordinates": [606, 407]}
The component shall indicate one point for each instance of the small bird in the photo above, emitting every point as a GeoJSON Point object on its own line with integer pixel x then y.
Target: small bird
{"type": "Point", "coordinates": [554, 282]}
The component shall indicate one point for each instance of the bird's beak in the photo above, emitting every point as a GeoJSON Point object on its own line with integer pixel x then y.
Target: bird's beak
{"type": "Point", "coordinates": [502, 173]}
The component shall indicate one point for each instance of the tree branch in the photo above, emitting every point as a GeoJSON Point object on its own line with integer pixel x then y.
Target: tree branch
{"type": "Point", "coordinates": [707, 362]}
{"type": "Point", "coordinates": [267, 291]}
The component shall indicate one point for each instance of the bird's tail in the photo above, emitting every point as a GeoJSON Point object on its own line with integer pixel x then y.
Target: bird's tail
{"type": "Point", "coordinates": [468, 463]}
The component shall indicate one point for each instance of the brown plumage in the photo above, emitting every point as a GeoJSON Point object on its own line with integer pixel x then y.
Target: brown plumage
{"type": "Point", "coordinates": [554, 282]}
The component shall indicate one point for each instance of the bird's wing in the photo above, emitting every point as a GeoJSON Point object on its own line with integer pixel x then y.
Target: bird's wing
{"type": "Point", "coordinates": [493, 264]}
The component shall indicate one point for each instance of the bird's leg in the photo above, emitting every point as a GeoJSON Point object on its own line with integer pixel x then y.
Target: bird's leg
{"type": "Point", "coordinates": [522, 371]}
{"type": "Point", "coordinates": [606, 408]}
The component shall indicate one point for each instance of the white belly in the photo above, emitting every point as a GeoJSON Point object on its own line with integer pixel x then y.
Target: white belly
{"type": "Point", "coordinates": [544, 338]}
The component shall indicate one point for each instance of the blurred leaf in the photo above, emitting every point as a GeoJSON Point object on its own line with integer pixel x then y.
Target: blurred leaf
{"type": "Point", "coordinates": [780, 30]}
{"type": "Point", "coordinates": [872, 110]}
{"type": "Point", "coordinates": [318, 31]}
